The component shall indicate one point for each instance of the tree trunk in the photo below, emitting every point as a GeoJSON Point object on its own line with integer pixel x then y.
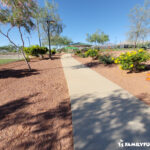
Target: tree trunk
{"type": "Point", "coordinates": [135, 45]}
{"type": "Point", "coordinates": [23, 48]}
{"type": "Point", "coordinates": [39, 35]}
{"type": "Point", "coordinates": [137, 36]}
{"type": "Point", "coordinates": [49, 40]}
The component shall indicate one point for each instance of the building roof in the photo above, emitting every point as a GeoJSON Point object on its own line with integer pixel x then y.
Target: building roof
{"type": "Point", "coordinates": [80, 44]}
{"type": "Point", "coordinates": [73, 48]}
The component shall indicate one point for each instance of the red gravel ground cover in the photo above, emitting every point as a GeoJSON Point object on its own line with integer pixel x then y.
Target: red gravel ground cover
{"type": "Point", "coordinates": [135, 83]}
{"type": "Point", "coordinates": [35, 111]}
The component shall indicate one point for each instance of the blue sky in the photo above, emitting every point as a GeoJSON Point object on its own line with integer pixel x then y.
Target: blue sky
{"type": "Point", "coordinates": [86, 16]}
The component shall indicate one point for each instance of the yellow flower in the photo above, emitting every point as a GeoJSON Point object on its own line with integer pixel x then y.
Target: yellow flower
{"type": "Point", "coordinates": [116, 61]}
{"type": "Point", "coordinates": [134, 52]}
{"type": "Point", "coordinates": [128, 53]}
{"type": "Point", "coordinates": [131, 66]}
{"type": "Point", "coordinates": [112, 58]}
{"type": "Point", "coordinates": [140, 50]}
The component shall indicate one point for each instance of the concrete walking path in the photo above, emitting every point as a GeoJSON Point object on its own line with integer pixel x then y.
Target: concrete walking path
{"type": "Point", "coordinates": [103, 113]}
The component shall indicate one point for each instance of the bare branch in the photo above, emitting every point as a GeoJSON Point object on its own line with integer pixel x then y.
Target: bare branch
{"type": "Point", "coordinates": [7, 36]}
{"type": "Point", "coordinates": [9, 31]}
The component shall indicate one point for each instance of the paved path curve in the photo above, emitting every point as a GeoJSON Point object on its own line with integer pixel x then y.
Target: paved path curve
{"type": "Point", "coordinates": [103, 113]}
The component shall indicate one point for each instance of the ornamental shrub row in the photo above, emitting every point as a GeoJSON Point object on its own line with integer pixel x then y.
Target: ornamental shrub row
{"type": "Point", "coordinates": [103, 58]}
{"type": "Point", "coordinates": [35, 50]}
{"type": "Point", "coordinates": [133, 61]}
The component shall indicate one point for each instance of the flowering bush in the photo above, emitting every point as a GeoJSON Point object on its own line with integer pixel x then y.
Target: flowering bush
{"type": "Point", "coordinates": [133, 61]}
{"type": "Point", "coordinates": [35, 50]}
{"type": "Point", "coordinates": [92, 53]}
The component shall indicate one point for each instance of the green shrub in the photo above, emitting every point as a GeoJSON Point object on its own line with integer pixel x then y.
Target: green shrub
{"type": "Point", "coordinates": [14, 51]}
{"type": "Point", "coordinates": [106, 59]}
{"type": "Point", "coordinates": [35, 50]}
{"type": "Point", "coordinates": [92, 53]}
{"type": "Point", "coordinates": [133, 61]}
{"type": "Point", "coordinates": [82, 55]}
{"type": "Point", "coordinates": [53, 51]}
{"type": "Point", "coordinates": [42, 50]}
{"type": "Point", "coordinates": [77, 52]}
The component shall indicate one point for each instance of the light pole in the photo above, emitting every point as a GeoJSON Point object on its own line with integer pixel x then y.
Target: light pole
{"type": "Point", "coordinates": [49, 22]}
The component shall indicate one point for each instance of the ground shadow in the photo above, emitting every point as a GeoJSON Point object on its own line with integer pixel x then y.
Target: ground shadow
{"type": "Point", "coordinates": [12, 73]}
{"type": "Point", "coordinates": [92, 65]}
{"type": "Point", "coordinates": [147, 68]}
{"type": "Point", "coordinates": [55, 57]}
{"type": "Point", "coordinates": [12, 107]}
{"type": "Point", "coordinates": [101, 124]}
{"type": "Point", "coordinates": [45, 133]}
{"type": "Point", "coordinates": [145, 97]}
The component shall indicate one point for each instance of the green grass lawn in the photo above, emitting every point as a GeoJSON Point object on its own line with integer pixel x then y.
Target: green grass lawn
{"type": "Point", "coordinates": [5, 61]}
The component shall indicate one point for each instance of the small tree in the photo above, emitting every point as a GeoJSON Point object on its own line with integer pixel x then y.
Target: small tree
{"type": "Point", "coordinates": [103, 38]}
{"type": "Point", "coordinates": [50, 9]}
{"type": "Point", "coordinates": [17, 13]}
{"type": "Point", "coordinates": [97, 38]}
{"type": "Point", "coordinates": [140, 19]}
{"type": "Point", "coordinates": [94, 38]}
{"type": "Point", "coordinates": [49, 13]}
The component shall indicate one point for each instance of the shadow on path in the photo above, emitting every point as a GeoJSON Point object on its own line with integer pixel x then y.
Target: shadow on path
{"type": "Point", "coordinates": [91, 65]}
{"type": "Point", "coordinates": [100, 124]}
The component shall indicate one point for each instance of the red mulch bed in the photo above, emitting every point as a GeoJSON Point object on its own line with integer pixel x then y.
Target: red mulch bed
{"type": "Point", "coordinates": [35, 110]}
{"type": "Point", "coordinates": [135, 83]}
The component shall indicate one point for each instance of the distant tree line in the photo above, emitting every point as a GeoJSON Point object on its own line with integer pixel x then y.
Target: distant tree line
{"type": "Point", "coordinates": [9, 48]}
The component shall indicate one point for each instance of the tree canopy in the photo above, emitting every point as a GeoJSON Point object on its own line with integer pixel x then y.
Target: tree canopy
{"type": "Point", "coordinates": [140, 21]}
{"type": "Point", "coordinates": [58, 41]}
{"type": "Point", "coordinates": [97, 37]}
{"type": "Point", "coordinates": [17, 13]}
